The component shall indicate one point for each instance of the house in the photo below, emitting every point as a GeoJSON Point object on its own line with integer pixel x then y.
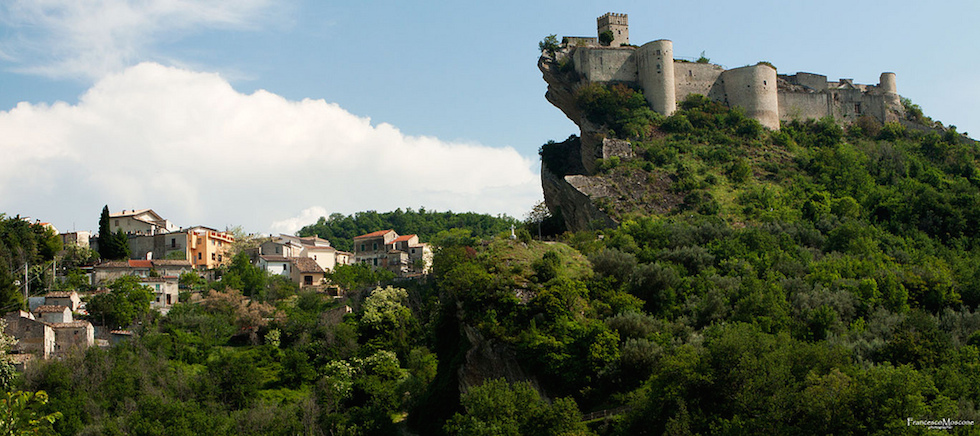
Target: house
{"type": "Point", "coordinates": [208, 248]}
{"type": "Point", "coordinates": [306, 272]}
{"type": "Point", "coordinates": [53, 314]}
{"type": "Point", "coordinates": [140, 222]}
{"type": "Point", "coordinates": [318, 249]}
{"type": "Point", "coordinates": [203, 247]}
{"type": "Point", "coordinates": [69, 335]}
{"type": "Point", "coordinates": [63, 298]}
{"type": "Point", "coordinates": [165, 292]}
{"type": "Point", "coordinates": [108, 271]}
{"type": "Point", "coordinates": [33, 336]}
{"type": "Point", "coordinates": [80, 239]}
{"type": "Point", "coordinates": [276, 265]}
{"type": "Point", "coordinates": [371, 248]}
{"type": "Point", "coordinates": [402, 255]}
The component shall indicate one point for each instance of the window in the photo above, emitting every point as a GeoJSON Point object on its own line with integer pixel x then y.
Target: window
{"type": "Point", "coordinates": [168, 300]}
{"type": "Point", "coordinates": [213, 257]}
{"type": "Point", "coordinates": [277, 249]}
{"type": "Point", "coordinates": [375, 246]}
{"type": "Point", "coordinates": [199, 256]}
{"type": "Point", "coordinates": [362, 247]}
{"type": "Point", "coordinates": [219, 258]}
{"type": "Point", "coordinates": [857, 108]}
{"type": "Point", "coordinates": [285, 267]}
{"type": "Point", "coordinates": [173, 242]}
{"type": "Point", "coordinates": [117, 223]}
{"type": "Point", "coordinates": [308, 280]}
{"type": "Point", "coordinates": [376, 261]}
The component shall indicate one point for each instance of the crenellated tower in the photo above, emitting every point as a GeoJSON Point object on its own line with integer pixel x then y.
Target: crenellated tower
{"type": "Point", "coordinates": [618, 24]}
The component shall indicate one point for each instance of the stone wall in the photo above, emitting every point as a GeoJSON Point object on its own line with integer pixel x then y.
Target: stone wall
{"type": "Point", "coordinates": [753, 88]}
{"type": "Point", "coordinates": [695, 78]}
{"type": "Point", "coordinates": [607, 64]}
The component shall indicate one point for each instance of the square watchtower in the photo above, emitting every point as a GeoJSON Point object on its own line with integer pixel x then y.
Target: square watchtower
{"type": "Point", "coordinates": [617, 24]}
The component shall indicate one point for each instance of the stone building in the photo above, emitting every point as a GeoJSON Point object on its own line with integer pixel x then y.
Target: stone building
{"type": "Point", "coordinates": [762, 93]}
{"type": "Point", "coordinates": [402, 255]}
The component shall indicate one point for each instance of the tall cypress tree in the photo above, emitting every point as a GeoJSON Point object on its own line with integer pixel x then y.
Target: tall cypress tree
{"type": "Point", "coordinates": [105, 247]}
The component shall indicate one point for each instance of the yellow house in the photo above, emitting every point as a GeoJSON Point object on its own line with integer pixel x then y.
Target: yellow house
{"type": "Point", "coordinates": [208, 248]}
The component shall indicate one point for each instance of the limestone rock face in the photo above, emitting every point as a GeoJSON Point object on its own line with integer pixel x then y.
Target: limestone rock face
{"type": "Point", "coordinates": [487, 360]}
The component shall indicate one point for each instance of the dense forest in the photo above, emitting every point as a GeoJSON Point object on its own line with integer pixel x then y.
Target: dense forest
{"type": "Point", "coordinates": [814, 280]}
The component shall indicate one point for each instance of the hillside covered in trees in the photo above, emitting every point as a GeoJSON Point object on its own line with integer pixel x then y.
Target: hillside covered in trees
{"type": "Point", "coordinates": [813, 280]}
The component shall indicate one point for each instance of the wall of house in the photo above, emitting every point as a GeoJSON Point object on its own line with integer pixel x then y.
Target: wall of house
{"type": "Point", "coordinates": [70, 335]}
{"type": "Point", "coordinates": [32, 336]}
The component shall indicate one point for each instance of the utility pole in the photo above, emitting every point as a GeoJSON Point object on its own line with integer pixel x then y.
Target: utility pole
{"type": "Point", "coordinates": [27, 283]}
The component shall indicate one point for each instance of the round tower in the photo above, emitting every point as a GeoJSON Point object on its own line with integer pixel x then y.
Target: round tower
{"type": "Point", "coordinates": [888, 85]}
{"type": "Point", "coordinates": [753, 88]}
{"type": "Point", "coordinates": [655, 65]}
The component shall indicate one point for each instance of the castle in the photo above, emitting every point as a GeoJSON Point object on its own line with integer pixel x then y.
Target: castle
{"type": "Point", "coordinates": [762, 93]}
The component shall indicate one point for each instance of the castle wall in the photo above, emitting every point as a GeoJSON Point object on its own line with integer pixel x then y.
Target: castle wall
{"type": "Point", "coordinates": [753, 88]}
{"type": "Point", "coordinates": [801, 106]}
{"type": "Point", "coordinates": [618, 24]}
{"type": "Point", "coordinates": [655, 62]}
{"type": "Point", "coordinates": [694, 78]}
{"type": "Point", "coordinates": [606, 64]}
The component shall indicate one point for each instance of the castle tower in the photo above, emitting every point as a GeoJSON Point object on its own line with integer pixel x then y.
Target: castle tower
{"type": "Point", "coordinates": [889, 87]}
{"type": "Point", "coordinates": [618, 24]}
{"type": "Point", "coordinates": [753, 88]}
{"type": "Point", "coordinates": [655, 64]}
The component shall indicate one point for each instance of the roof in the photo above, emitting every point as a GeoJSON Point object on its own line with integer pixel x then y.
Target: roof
{"type": "Point", "coordinates": [374, 234]}
{"type": "Point", "coordinates": [121, 332]}
{"type": "Point", "coordinates": [68, 325]}
{"type": "Point", "coordinates": [141, 263]}
{"type": "Point", "coordinates": [124, 213]}
{"type": "Point", "coordinates": [171, 262]}
{"type": "Point", "coordinates": [274, 258]}
{"type": "Point", "coordinates": [153, 279]}
{"type": "Point", "coordinates": [60, 294]}
{"type": "Point", "coordinates": [50, 308]}
{"type": "Point", "coordinates": [306, 265]}
{"type": "Point", "coordinates": [404, 238]}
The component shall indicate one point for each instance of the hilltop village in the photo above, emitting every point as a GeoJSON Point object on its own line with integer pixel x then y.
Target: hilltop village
{"type": "Point", "coordinates": [162, 254]}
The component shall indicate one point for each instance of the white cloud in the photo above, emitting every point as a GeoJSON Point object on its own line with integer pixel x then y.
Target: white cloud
{"type": "Point", "coordinates": [195, 150]}
{"type": "Point", "coordinates": [91, 38]}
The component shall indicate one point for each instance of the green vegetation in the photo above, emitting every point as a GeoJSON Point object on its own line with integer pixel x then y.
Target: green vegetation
{"type": "Point", "coordinates": [112, 246]}
{"type": "Point", "coordinates": [606, 37]}
{"type": "Point", "coordinates": [126, 301]}
{"type": "Point", "coordinates": [814, 280]}
{"type": "Point", "coordinates": [23, 243]}
{"type": "Point", "coordinates": [340, 230]}
{"type": "Point", "coordinates": [549, 45]}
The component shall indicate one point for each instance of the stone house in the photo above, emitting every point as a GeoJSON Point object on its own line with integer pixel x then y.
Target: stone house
{"type": "Point", "coordinates": [318, 249]}
{"type": "Point", "coordinates": [33, 336]}
{"type": "Point", "coordinates": [165, 292]}
{"type": "Point", "coordinates": [63, 298]}
{"type": "Point", "coordinates": [53, 314]}
{"type": "Point", "coordinates": [69, 335]}
{"type": "Point", "coordinates": [108, 271]}
{"type": "Point", "coordinates": [140, 222]}
{"type": "Point", "coordinates": [402, 255]}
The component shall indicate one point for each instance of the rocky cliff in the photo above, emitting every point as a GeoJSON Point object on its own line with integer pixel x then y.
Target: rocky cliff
{"type": "Point", "coordinates": [574, 183]}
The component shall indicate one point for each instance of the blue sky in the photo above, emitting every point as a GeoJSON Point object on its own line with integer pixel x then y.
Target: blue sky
{"type": "Point", "coordinates": [268, 114]}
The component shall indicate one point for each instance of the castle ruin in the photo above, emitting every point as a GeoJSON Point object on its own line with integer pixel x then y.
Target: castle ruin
{"type": "Point", "coordinates": [762, 93]}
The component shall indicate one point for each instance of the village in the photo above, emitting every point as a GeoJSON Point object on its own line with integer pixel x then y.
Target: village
{"type": "Point", "coordinates": [162, 253]}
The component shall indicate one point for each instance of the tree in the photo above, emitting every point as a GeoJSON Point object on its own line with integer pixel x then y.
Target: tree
{"type": "Point", "coordinates": [549, 45]}
{"type": "Point", "coordinates": [127, 301]}
{"type": "Point", "coordinates": [606, 38]}
{"type": "Point", "coordinates": [105, 247]}
{"type": "Point", "coordinates": [500, 408]}
{"type": "Point", "coordinates": [20, 414]}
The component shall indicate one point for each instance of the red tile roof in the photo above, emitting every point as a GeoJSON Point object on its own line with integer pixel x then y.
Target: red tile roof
{"type": "Point", "coordinates": [141, 263]}
{"type": "Point", "coordinates": [403, 238]}
{"type": "Point", "coordinates": [50, 308]}
{"type": "Point", "coordinates": [374, 234]}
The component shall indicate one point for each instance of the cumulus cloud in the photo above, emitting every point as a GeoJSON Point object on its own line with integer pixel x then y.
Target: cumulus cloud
{"type": "Point", "coordinates": [197, 151]}
{"type": "Point", "coordinates": [88, 39]}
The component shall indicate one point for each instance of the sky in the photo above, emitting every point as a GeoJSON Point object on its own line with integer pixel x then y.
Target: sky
{"type": "Point", "coordinates": [269, 114]}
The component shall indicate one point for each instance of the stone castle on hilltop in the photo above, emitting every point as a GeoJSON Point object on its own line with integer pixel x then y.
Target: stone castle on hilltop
{"type": "Point", "coordinates": [762, 93]}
